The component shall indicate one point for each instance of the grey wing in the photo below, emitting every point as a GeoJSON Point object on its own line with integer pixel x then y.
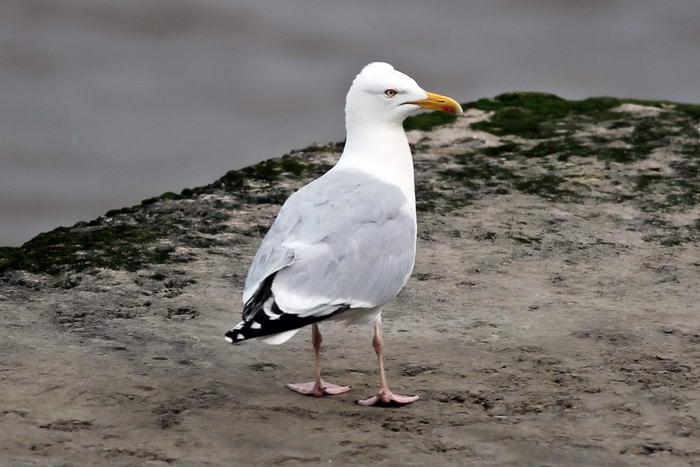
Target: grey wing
{"type": "Point", "coordinates": [345, 240]}
{"type": "Point", "coordinates": [271, 255]}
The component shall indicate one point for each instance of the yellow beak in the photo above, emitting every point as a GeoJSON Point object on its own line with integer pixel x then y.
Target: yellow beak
{"type": "Point", "coordinates": [441, 103]}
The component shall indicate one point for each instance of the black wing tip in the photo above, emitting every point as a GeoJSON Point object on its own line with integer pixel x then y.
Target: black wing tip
{"type": "Point", "coordinates": [234, 337]}
{"type": "Point", "coordinates": [267, 325]}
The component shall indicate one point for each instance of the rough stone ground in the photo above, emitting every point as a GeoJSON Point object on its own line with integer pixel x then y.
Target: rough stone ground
{"type": "Point", "coordinates": [553, 316]}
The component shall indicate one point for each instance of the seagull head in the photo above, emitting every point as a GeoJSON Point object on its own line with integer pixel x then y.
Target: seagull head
{"type": "Point", "coordinates": [380, 94]}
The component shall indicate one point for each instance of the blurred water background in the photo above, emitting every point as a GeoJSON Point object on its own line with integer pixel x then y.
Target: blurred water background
{"type": "Point", "coordinates": [106, 102]}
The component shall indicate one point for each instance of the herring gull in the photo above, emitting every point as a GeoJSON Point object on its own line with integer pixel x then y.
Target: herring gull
{"type": "Point", "coordinates": [344, 245]}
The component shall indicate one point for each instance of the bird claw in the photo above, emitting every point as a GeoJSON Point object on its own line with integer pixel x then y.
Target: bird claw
{"type": "Point", "coordinates": [313, 389]}
{"type": "Point", "coordinates": [385, 397]}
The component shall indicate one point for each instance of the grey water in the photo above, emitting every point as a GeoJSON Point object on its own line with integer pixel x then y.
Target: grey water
{"type": "Point", "coordinates": [106, 102]}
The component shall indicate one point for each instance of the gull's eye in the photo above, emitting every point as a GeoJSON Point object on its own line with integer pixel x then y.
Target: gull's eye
{"type": "Point", "coordinates": [391, 92]}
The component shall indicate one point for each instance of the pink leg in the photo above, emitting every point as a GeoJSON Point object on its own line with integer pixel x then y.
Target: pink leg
{"type": "Point", "coordinates": [318, 387]}
{"type": "Point", "coordinates": [384, 396]}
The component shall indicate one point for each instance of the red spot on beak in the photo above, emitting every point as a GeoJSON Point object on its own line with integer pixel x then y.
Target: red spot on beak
{"type": "Point", "coordinates": [449, 110]}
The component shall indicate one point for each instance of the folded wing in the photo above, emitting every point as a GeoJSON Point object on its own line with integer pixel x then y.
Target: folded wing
{"type": "Point", "coordinates": [346, 240]}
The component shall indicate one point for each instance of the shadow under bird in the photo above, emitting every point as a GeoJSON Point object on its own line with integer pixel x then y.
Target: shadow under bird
{"type": "Point", "coordinates": [344, 245]}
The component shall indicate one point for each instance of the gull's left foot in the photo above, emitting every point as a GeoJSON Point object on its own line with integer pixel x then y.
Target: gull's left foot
{"type": "Point", "coordinates": [386, 397]}
{"type": "Point", "coordinates": [313, 389]}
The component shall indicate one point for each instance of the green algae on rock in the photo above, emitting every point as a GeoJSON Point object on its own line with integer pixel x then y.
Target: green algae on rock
{"type": "Point", "coordinates": [120, 246]}
{"type": "Point", "coordinates": [534, 115]}
{"type": "Point", "coordinates": [538, 115]}
{"type": "Point", "coordinates": [640, 152]}
{"type": "Point", "coordinates": [427, 121]}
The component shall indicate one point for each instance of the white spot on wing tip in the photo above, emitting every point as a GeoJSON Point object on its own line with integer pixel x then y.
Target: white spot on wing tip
{"type": "Point", "coordinates": [228, 339]}
{"type": "Point", "coordinates": [239, 336]}
{"type": "Point", "coordinates": [267, 308]}
{"type": "Point", "coordinates": [255, 325]}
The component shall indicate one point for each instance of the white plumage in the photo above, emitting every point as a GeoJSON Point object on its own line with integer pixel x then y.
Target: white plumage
{"type": "Point", "coordinates": [344, 245]}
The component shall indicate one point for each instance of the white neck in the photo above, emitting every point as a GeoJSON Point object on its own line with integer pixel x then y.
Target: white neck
{"type": "Point", "coordinates": [383, 152]}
